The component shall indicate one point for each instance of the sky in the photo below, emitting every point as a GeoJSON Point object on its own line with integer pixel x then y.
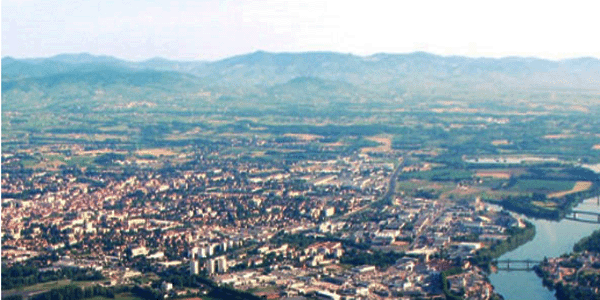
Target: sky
{"type": "Point", "coordinates": [212, 30]}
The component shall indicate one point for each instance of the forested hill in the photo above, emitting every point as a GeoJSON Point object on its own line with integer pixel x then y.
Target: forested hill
{"type": "Point", "coordinates": [375, 72]}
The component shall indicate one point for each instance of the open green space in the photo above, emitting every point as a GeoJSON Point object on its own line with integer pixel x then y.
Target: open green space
{"type": "Point", "coordinates": [122, 296]}
{"type": "Point", "coordinates": [441, 174]}
{"type": "Point", "coordinates": [43, 286]}
{"type": "Point", "coordinates": [541, 186]}
{"type": "Point", "coordinates": [47, 286]}
{"type": "Point", "coordinates": [545, 190]}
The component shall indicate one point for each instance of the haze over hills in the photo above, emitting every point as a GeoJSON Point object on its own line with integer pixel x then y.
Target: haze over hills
{"type": "Point", "coordinates": [320, 75]}
{"type": "Point", "coordinates": [38, 67]}
{"type": "Point", "coordinates": [269, 68]}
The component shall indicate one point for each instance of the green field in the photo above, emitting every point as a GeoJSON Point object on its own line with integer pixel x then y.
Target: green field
{"type": "Point", "coordinates": [42, 286]}
{"type": "Point", "coordinates": [46, 286]}
{"type": "Point", "coordinates": [123, 296]}
{"type": "Point", "coordinates": [412, 186]}
{"type": "Point", "coordinates": [441, 174]}
{"type": "Point", "coordinates": [542, 186]}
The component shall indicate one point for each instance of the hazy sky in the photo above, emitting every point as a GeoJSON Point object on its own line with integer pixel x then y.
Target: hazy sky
{"type": "Point", "coordinates": [210, 30]}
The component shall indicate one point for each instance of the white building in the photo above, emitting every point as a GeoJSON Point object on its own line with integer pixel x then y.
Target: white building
{"type": "Point", "coordinates": [216, 265]}
{"type": "Point", "coordinates": [224, 246]}
{"type": "Point", "coordinates": [210, 266]}
{"type": "Point", "coordinates": [137, 251]}
{"type": "Point", "coordinates": [194, 267]}
{"type": "Point", "coordinates": [194, 252]}
{"type": "Point", "coordinates": [221, 264]}
{"type": "Point", "coordinates": [166, 286]}
{"type": "Point", "coordinates": [330, 211]}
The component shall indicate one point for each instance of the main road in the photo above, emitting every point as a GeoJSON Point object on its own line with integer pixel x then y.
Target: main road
{"type": "Point", "coordinates": [386, 197]}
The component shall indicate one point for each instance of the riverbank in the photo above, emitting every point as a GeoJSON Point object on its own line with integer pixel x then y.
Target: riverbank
{"type": "Point", "coordinates": [482, 263]}
{"type": "Point", "coordinates": [552, 239]}
{"type": "Point", "coordinates": [458, 274]}
{"type": "Point", "coordinates": [517, 237]}
{"type": "Point", "coordinates": [529, 205]}
{"type": "Point", "coordinates": [576, 275]}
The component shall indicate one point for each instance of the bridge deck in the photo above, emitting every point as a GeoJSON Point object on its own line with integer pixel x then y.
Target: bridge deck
{"type": "Point", "coordinates": [516, 269]}
{"type": "Point", "coordinates": [530, 261]}
{"type": "Point", "coordinates": [583, 212]}
{"type": "Point", "coordinates": [583, 220]}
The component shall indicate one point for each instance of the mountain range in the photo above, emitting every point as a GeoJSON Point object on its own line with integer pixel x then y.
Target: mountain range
{"type": "Point", "coordinates": [324, 74]}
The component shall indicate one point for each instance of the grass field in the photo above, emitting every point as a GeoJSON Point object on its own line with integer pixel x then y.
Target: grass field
{"type": "Point", "coordinates": [415, 184]}
{"type": "Point", "coordinates": [124, 296]}
{"type": "Point", "coordinates": [491, 184]}
{"type": "Point", "coordinates": [440, 174]}
{"type": "Point", "coordinates": [543, 186]}
{"type": "Point", "coordinates": [304, 137]}
{"type": "Point", "coordinates": [580, 186]}
{"type": "Point", "coordinates": [494, 174]}
{"type": "Point", "coordinates": [500, 142]}
{"type": "Point", "coordinates": [549, 205]}
{"type": "Point", "coordinates": [156, 152]}
{"type": "Point", "coordinates": [385, 144]}
{"type": "Point", "coordinates": [46, 286]}
{"type": "Point", "coordinates": [81, 161]}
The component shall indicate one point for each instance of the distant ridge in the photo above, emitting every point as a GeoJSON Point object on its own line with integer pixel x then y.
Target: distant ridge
{"type": "Point", "coordinates": [85, 57]}
{"type": "Point", "coordinates": [377, 72]}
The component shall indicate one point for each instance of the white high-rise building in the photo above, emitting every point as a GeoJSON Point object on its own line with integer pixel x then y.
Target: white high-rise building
{"type": "Point", "coordinates": [224, 246]}
{"type": "Point", "coordinates": [210, 266]}
{"type": "Point", "coordinates": [221, 264]}
{"type": "Point", "coordinates": [216, 265]}
{"type": "Point", "coordinates": [194, 267]}
{"type": "Point", "coordinates": [193, 254]}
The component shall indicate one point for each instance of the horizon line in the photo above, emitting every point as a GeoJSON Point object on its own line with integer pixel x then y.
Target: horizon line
{"type": "Point", "coordinates": [302, 52]}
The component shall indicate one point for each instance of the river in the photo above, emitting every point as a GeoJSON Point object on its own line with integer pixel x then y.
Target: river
{"type": "Point", "coordinates": [551, 239]}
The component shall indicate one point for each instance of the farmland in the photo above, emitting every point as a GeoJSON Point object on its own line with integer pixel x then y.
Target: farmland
{"type": "Point", "coordinates": [257, 158]}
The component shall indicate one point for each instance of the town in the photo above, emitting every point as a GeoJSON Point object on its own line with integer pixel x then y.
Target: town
{"type": "Point", "coordinates": [298, 176]}
{"type": "Point", "coordinates": [574, 274]}
{"type": "Point", "coordinates": [323, 228]}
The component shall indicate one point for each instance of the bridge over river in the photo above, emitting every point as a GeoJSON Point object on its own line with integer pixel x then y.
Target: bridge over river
{"type": "Point", "coordinates": [516, 264]}
{"type": "Point", "coordinates": [552, 239]}
{"type": "Point", "coordinates": [583, 216]}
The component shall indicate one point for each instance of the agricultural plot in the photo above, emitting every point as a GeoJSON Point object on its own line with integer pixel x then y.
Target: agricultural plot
{"type": "Point", "coordinates": [385, 145]}
{"type": "Point", "coordinates": [47, 286]}
{"type": "Point", "coordinates": [579, 186]}
{"type": "Point", "coordinates": [440, 174]}
{"type": "Point", "coordinates": [544, 189]}
{"type": "Point", "coordinates": [542, 186]}
{"type": "Point", "coordinates": [123, 296]}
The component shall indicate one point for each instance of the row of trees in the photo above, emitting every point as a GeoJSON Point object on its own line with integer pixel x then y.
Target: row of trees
{"type": "Point", "coordinates": [590, 243]}
{"type": "Point", "coordinates": [569, 292]}
{"type": "Point", "coordinates": [518, 237]}
{"type": "Point", "coordinates": [523, 204]}
{"type": "Point", "coordinates": [445, 284]}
